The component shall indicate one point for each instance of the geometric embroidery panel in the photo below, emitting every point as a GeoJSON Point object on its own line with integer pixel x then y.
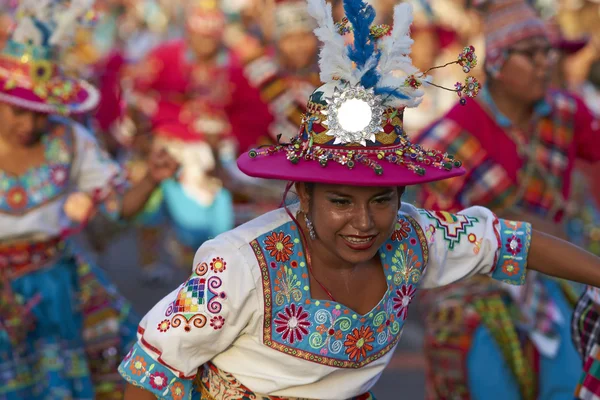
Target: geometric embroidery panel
{"type": "Point", "coordinates": [190, 297]}
{"type": "Point", "coordinates": [453, 226]}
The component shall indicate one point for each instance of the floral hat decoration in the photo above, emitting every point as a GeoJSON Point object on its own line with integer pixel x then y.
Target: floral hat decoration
{"type": "Point", "coordinates": [31, 74]}
{"type": "Point", "coordinates": [352, 131]}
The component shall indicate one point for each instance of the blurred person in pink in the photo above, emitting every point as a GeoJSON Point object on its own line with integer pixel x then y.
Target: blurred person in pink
{"type": "Point", "coordinates": [202, 108]}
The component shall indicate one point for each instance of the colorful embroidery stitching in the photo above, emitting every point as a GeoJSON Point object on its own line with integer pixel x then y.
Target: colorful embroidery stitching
{"type": "Point", "coordinates": [187, 308]}
{"type": "Point", "coordinates": [514, 242]}
{"type": "Point", "coordinates": [40, 185]}
{"type": "Point", "coordinates": [326, 332]}
{"type": "Point", "coordinates": [453, 226]}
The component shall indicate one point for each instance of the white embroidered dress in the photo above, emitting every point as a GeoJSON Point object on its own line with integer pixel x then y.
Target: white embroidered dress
{"type": "Point", "coordinates": [246, 311]}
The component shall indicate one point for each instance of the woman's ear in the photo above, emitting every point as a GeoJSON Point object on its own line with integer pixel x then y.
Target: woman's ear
{"type": "Point", "coordinates": [303, 196]}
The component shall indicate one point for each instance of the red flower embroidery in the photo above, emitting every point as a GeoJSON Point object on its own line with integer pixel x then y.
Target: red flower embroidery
{"type": "Point", "coordinates": [402, 229]}
{"type": "Point", "coordinates": [217, 322]}
{"type": "Point", "coordinates": [164, 325]}
{"type": "Point", "coordinates": [513, 245]}
{"type": "Point", "coordinates": [357, 343]}
{"type": "Point", "coordinates": [510, 267]}
{"type": "Point", "coordinates": [218, 265]}
{"type": "Point", "coordinates": [16, 197]}
{"type": "Point", "coordinates": [138, 365]}
{"type": "Point", "coordinates": [158, 380]}
{"type": "Point", "coordinates": [58, 175]}
{"type": "Point", "coordinates": [280, 246]}
{"type": "Point", "coordinates": [404, 296]}
{"type": "Point", "coordinates": [177, 391]}
{"type": "Point", "coordinates": [292, 324]}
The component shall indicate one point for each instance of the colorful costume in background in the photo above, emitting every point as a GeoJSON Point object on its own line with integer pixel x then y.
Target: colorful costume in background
{"type": "Point", "coordinates": [522, 336]}
{"type": "Point", "coordinates": [248, 301]}
{"type": "Point", "coordinates": [62, 325]}
{"type": "Point", "coordinates": [284, 91]}
{"type": "Point", "coordinates": [191, 102]}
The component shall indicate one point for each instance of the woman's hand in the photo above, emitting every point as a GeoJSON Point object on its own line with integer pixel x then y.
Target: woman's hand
{"type": "Point", "coordinates": [161, 165]}
{"type": "Point", "coordinates": [79, 207]}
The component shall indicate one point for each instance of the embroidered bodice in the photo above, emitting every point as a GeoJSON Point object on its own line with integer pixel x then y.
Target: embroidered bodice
{"type": "Point", "coordinates": [31, 203]}
{"type": "Point", "coordinates": [326, 332]}
{"type": "Point", "coordinates": [247, 306]}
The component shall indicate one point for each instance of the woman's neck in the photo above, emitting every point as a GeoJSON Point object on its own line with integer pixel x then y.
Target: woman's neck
{"type": "Point", "coordinates": [518, 112]}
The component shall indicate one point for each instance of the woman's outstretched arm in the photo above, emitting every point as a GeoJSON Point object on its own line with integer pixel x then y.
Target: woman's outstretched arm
{"type": "Point", "coordinates": [559, 258]}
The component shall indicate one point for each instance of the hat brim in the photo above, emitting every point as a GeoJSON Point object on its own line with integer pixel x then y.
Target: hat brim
{"type": "Point", "coordinates": [86, 99]}
{"type": "Point", "coordinates": [277, 166]}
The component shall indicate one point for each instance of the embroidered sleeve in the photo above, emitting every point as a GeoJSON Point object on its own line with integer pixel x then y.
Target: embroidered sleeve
{"type": "Point", "coordinates": [97, 174]}
{"type": "Point", "coordinates": [474, 241]}
{"type": "Point", "coordinates": [193, 324]}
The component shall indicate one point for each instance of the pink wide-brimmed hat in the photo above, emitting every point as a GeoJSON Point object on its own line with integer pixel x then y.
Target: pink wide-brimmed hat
{"type": "Point", "coordinates": [352, 132]}
{"type": "Point", "coordinates": [31, 76]}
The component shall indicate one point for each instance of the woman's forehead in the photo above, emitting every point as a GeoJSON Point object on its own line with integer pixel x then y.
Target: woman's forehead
{"type": "Point", "coordinates": [349, 190]}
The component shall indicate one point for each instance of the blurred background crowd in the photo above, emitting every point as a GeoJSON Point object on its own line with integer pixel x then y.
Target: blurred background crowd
{"type": "Point", "coordinates": [209, 79]}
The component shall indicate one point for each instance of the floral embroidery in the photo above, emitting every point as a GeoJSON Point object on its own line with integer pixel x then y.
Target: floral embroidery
{"type": "Point", "coordinates": [292, 324]}
{"type": "Point", "coordinates": [404, 296]}
{"type": "Point", "coordinates": [59, 174]}
{"type": "Point", "coordinates": [514, 239]}
{"type": "Point", "coordinates": [326, 332]}
{"type": "Point", "coordinates": [330, 331]}
{"type": "Point", "coordinates": [138, 365]}
{"type": "Point", "coordinates": [510, 267]}
{"type": "Point", "coordinates": [218, 265]}
{"type": "Point", "coordinates": [217, 322]}
{"type": "Point", "coordinates": [476, 243]}
{"type": "Point", "coordinates": [406, 265]}
{"type": "Point", "coordinates": [158, 380]}
{"type": "Point", "coordinates": [39, 185]}
{"type": "Point", "coordinates": [16, 198]}
{"type": "Point", "coordinates": [177, 391]}
{"type": "Point", "coordinates": [514, 246]}
{"type": "Point", "coordinates": [287, 286]}
{"type": "Point", "coordinates": [280, 246]}
{"type": "Point", "coordinates": [358, 343]}
{"type": "Point", "coordinates": [401, 230]}
{"type": "Point", "coordinates": [164, 325]}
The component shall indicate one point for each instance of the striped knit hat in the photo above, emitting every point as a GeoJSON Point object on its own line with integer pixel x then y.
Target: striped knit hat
{"type": "Point", "coordinates": [507, 22]}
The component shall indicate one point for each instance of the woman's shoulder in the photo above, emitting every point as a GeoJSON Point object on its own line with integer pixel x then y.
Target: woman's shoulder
{"type": "Point", "coordinates": [244, 235]}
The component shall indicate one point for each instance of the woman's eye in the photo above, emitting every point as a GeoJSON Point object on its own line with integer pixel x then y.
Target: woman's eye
{"type": "Point", "coordinates": [383, 200]}
{"type": "Point", "coordinates": [340, 201]}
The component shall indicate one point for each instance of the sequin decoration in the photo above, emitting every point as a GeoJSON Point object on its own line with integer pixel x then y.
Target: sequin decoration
{"type": "Point", "coordinates": [407, 154]}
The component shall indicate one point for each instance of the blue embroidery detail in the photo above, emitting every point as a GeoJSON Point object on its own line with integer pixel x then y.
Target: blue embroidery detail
{"type": "Point", "coordinates": [515, 239]}
{"type": "Point", "coordinates": [40, 185]}
{"type": "Point", "coordinates": [141, 370]}
{"type": "Point", "coordinates": [324, 331]}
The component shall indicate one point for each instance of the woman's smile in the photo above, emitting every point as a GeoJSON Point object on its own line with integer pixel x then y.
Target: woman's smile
{"type": "Point", "coordinates": [359, 243]}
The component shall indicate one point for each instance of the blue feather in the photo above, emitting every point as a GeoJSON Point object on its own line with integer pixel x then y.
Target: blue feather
{"type": "Point", "coordinates": [391, 92]}
{"type": "Point", "coordinates": [361, 15]}
{"type": "Point", "coordinates": [371, 77]}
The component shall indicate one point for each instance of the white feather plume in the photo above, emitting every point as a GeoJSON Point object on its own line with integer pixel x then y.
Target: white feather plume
{"type": "Point", "coordinates": [333, 58]}
{"type": "Point", "coordinates": [395, 48]}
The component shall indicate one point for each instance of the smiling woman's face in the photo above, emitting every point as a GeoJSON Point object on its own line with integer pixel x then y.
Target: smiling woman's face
{"type": "Point", "coordinates": [351, 222]}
